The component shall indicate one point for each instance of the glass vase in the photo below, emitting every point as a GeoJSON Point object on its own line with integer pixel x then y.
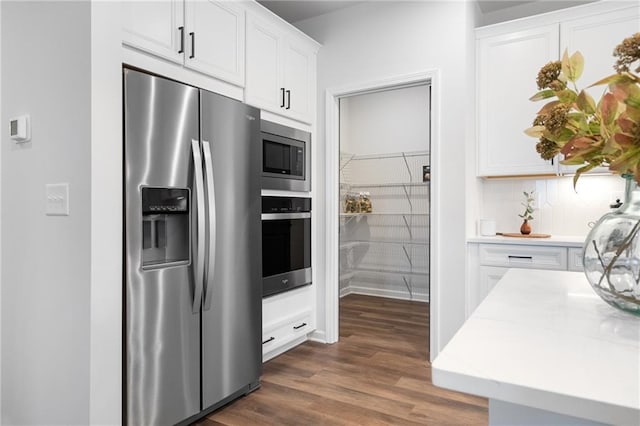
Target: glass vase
{"type": "Point", "coordinates": [611, 255]}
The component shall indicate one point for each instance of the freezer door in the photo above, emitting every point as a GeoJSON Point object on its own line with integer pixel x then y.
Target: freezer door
{"type": "Point", "coordinates": [232, 311]}
{"type": "Point", "coordinates": [162, 331]}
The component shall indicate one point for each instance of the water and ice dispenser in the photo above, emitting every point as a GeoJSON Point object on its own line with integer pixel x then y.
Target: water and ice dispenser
{"type": "Point", "coordinates": [165, 226]}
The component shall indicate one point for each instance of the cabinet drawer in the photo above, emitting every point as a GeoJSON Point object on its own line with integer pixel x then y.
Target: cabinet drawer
{"type": "Point", "coordinates": [575, 259]}
{"type": "Point", "coordinates": [516, 256]}
{"type": "Point", "coordinates": [285, 331]}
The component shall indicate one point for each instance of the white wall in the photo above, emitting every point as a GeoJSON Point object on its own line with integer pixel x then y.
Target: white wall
{"type": "Point", "coordinates": [385, 122]}
{"type": "Point", "coordinates": [106, 227]}
{"type": "Point", "coordinates": [0, 218]}
{"type": "Point", "coordinates": [46, 259]}
{"type": "Point", "coordinates": [377, 40]}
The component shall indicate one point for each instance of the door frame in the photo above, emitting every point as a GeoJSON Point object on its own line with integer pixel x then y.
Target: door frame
{"type": "Point", "coordinates": [332, 205]}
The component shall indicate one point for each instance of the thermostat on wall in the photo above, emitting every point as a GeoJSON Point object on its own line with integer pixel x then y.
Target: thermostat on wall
{"type": "Point", "coordinates": [20, 129]}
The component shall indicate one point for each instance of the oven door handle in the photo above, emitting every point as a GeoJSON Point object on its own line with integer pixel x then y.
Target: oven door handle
{"type": "Point", "coordinates": [283, 216]}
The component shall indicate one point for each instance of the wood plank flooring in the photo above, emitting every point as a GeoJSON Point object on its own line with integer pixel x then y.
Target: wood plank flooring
{"type": "Point", "coordinates": [377, 374]}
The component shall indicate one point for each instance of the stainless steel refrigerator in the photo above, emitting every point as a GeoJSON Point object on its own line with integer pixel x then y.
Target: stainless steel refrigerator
{"type": "Point", "coordinates": [193, 307]}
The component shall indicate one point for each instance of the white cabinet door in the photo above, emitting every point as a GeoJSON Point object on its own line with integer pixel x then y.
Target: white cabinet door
{"type": "Point", "coordinates": [298, 75]}
{"type": "Point", "coordinates": [487, 280]}
{"type": "Point", "coordinates": [280, 71]}
{"type": "Point", "coordinates": [507, 68]}
{"type": "Point", "coordinates": [575, 259]}
{"type": "Point", "coordinates": [215, 39]}
{"type": "Point", "coordinates": [264, 86]}
{"type": "Point", "coordinates": [154, 26]}
{"type": "Point", "coordinates": [595, 37]}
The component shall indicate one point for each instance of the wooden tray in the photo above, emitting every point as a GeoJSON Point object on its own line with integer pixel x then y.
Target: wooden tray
{"type": "Point", "coordinates": [519, 235]}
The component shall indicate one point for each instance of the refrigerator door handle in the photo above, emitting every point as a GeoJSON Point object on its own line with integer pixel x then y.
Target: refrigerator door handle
{"type": "Point", "coordinates": [199, 263]}
{"type": "Point", "coordinates": [211, 196]}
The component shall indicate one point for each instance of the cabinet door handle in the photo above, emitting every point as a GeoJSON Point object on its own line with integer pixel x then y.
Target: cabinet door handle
{"type": "Point", "coordinates": [181, 39]}
{"type": "Point", "coordinates": [297, 327]}
{"type": "Point", "coordinates": [282, 91]}
{"type": "Point", "coordinates": [270, 339]}
{"type": "Point", "coordinates": [193, 45]}
{"type": "Point", "coordinates": [288, 99]}
{"type": "Point", "coordinates": [521, 257]}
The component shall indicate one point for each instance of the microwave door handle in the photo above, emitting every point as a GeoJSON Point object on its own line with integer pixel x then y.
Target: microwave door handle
{"type": "Point", "coordinates": [211, 196]}
{"type": "Point", "coordinates": [198, 266]}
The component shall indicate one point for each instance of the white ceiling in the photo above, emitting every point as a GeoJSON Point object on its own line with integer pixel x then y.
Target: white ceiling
{"type": "Point", "coordinates": [298, 10]}
{"type": "Point", "coordinates": [488, 6]}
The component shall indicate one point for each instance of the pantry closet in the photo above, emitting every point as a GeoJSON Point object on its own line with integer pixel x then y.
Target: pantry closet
{"type": "Point", "coordinates": [385, 193]}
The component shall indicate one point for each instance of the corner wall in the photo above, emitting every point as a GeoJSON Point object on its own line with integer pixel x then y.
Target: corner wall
{"type": "Point", "coordinates": [374, 41]}
{"type": "Point", "coordinates": [106, 220]}
{"type": "Point", "coordinates": [46, 72]}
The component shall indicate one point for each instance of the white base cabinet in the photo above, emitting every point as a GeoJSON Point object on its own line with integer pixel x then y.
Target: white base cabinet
{"type": "Point", "coordinates": [488, 262]}
{"type": "Point", "coordinates": [287, 319]}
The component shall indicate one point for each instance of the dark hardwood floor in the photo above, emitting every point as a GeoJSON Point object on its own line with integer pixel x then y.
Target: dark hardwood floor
{"type": "Point", "coordinates": [377, 374]}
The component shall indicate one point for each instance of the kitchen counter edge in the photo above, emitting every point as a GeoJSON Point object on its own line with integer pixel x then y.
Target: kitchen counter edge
{"type": "Point", "coordinates": [555, 240]}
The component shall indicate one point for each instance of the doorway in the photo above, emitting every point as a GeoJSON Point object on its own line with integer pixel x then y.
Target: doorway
{"type": "Point", "coordinates": [384, 179]}
{"type": "Point", "coordinates": [334, 205]}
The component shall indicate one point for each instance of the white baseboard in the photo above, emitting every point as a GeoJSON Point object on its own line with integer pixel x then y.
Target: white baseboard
{"type": "Point", "coordinates": [345, 291]}
{"type": "Point", "coordinates": [318, 336]}
{"type": "Point", "coordinates": [391, 294]}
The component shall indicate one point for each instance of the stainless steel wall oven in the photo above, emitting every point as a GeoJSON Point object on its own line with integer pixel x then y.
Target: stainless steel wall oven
{"type": "Point", "coordinates": [286, 244]}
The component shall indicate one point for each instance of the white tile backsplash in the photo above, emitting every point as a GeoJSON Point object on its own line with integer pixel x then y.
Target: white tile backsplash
{"type": "Point", "coordinates": [560, 210]}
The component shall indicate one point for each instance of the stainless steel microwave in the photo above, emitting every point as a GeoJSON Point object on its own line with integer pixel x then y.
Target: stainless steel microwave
{"type": "Point", "coordinates": [286, 157]}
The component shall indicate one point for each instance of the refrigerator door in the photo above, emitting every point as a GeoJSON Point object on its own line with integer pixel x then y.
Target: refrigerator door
{"type": "Point", "coordinates": [232, 310]}
{"type": "Point", "coordinates": [162, 331]}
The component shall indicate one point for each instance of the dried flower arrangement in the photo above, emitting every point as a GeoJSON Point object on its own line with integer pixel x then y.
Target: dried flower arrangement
{"type": "Point", "coordinates": [587, 133]}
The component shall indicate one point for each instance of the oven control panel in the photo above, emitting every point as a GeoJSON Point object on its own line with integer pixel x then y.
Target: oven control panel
{"type": "Point", "coordinates": [285, 204]}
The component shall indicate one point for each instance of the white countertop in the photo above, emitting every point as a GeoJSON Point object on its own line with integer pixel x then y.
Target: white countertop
{"type": "Point", "coordinates": [554, 240]}
{"type": "Point", "coordinates": [544, 339]}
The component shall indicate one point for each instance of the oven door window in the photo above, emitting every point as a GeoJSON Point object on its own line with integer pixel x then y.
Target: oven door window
{"type": "Point", "coordinates": [286, 245]}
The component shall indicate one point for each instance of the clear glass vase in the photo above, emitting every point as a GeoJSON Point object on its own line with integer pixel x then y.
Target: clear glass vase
{"type": "Point", "coordinates": [611, 255]}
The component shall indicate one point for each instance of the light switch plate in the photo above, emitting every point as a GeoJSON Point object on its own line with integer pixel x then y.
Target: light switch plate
{"type": "Point", "coordinates": [57, 199]}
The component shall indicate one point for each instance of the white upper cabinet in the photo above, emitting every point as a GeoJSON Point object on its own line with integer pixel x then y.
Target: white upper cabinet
{"type": "Point", "coordinates": [206, 36]}
{"type": "Point", "coordinates": [509, 56]}
{"type": "Point", "coordinates": [154, 27]}
{"type": "Point", "coordinates": [298, 68]}
{"type": "Point", "coordinates": [280, 70]}
{"type": "Point", "coordinates": [507, 65]}
{"type": "Point", "coordinates": [216, 39]}
{"type": "Point", "coordinates": [264, 65]}
{"type": "Point", "coordinates": [595, 37]}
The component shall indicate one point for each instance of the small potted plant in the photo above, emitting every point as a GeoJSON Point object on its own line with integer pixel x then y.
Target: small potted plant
{"type": "Point", "coordinates": [527, 215]}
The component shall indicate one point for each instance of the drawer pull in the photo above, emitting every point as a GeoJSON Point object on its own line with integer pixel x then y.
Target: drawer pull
{"type": "Point", "coordinates": [270, 339]}
{"type": "Point", "coordinates": [521, 257]}
{"type": "Point", "coordinates": [297, 327]}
